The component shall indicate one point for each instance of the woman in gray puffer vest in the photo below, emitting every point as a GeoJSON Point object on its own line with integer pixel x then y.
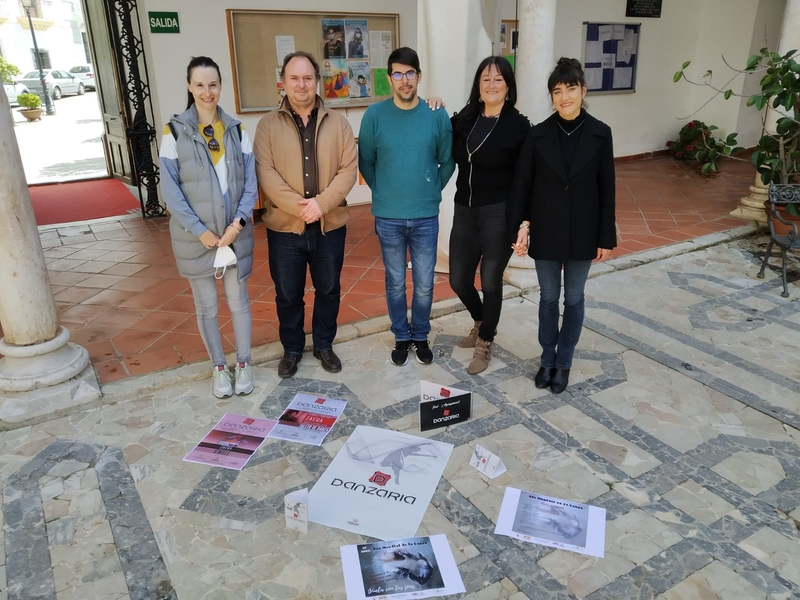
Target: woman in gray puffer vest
{"type": "Point", "coordinates": [208, 182]}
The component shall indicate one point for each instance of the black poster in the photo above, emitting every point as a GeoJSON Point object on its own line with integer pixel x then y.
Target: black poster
{"type": "Point", "coordinates": [444, 411]}
{"type": "Point", "coordinates": [643, 8]}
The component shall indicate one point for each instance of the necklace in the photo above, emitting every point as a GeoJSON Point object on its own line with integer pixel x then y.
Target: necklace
{"type": "Point", "coordinates": [569, 133]}
{"type": "Point", "coordinates": [469, 154]}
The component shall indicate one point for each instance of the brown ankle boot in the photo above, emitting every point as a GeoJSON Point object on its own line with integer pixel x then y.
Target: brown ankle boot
{"type": "Point", "coordinates": [469, 341]}
{"type": "Point", "coordinates": [481, 357]}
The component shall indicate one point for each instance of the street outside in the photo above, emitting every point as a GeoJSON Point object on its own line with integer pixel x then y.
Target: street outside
{"type": "Point", "coordinates": [64, 146]}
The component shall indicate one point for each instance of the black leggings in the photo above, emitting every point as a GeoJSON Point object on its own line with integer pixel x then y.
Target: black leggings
{"type": "Point", "coordinates": [479, 235]}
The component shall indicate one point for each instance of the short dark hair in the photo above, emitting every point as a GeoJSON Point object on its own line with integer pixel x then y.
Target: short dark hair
{"type": "Point", "coordinates": [568, 71]}
{"type": "Point", "coordinates": [199, 61]}
{"type": "Point", "coordinates": [404, 56]}
{"type": "Point", "coordinates": [300, 54]}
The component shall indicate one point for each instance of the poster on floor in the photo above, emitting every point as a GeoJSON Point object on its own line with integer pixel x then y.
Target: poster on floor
{"type": "Point", "coordinates": [379, 484]}
{"type": "Point", "coordinates": [232, 441]}
{"type": "Point", "coordinates": [420, 567]}
{"type": "Point", "coordinates": [308, 419]}
{"type": "Point", "coordinates": [360, 77]}
{"type": "Point", "coordinates": [440, 406]}
{"type": "Point", "coordinates": [552, 522]}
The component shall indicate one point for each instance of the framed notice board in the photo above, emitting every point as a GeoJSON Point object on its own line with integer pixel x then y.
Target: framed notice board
{"type": "Point", "coordinates": [610, 57]}
{"type": "Point", "coordinates": [352, 50]}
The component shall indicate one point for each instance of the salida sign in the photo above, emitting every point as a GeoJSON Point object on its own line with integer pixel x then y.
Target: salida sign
{"type": "Point", "coordinates": [164, 22]}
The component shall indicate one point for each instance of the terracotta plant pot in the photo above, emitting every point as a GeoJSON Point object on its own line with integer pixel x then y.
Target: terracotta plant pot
{"type": "Point", "coordinates": [32, 114]}
{"type": "Point", "coordinates": [780, 228]}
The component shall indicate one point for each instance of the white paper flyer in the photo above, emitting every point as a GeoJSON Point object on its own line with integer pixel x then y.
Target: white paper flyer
{"type": "Point", "coordinates": [421, 567]}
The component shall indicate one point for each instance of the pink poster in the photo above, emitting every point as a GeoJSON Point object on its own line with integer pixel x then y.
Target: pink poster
{"type": "Point", "coordinates": [232, 441]}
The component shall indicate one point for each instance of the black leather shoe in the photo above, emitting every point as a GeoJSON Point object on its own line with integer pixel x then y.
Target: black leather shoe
{"type": "Point", "coordinates": [542, 379]}
{"type": "Point", "coordinates": [288, 365]}
{"type": "Point", "coordinates": [330, 362]}
{"type": "Point", "coordinates": [559, 381]}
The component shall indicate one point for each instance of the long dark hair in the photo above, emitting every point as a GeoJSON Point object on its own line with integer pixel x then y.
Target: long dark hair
{"type": "Point", "coordinates": [464, 119]}
{"type": "Point", "coordinates": [199, 61]}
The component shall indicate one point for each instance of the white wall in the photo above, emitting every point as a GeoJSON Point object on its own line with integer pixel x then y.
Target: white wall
{"type": "Point", "coordinates": [204, 32]}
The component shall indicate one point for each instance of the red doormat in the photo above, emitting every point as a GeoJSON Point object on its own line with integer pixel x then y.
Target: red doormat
{"type": "Point", "coordinates": [81, 201]}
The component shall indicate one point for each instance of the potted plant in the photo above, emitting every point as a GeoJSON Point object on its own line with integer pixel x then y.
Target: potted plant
{"type": "Point", "coordinates": [30, 106]}
{"type": "Point", "coordinates": [777, 154]}
{"type": "Point", "coordinates": [692, 137]}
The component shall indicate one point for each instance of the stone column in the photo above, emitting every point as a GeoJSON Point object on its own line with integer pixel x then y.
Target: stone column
{"type": "Point", "coordinates": [751, 207]}
{"type": "Point", "coordinates": [40, 372]}
{"type": "Point", "coordinates": [535, 61]}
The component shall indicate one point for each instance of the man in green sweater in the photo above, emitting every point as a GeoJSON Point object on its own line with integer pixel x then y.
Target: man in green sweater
{"type": "Point", "coordinates": [404, 153]}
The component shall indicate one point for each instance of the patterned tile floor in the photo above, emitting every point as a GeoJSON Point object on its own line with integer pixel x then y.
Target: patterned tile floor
{"type": "Point", "coordinates": [118, 291]}
{"type": "Point", "coordinates": [681, 421]}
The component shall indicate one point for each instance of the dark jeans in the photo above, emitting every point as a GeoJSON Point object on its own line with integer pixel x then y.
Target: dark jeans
{"type": "Point", "coordinates": [289, 254]}
{"type": "Point", "coordinates": [479, 236]}
{"type": "Point", "coordinates": [558, 346]}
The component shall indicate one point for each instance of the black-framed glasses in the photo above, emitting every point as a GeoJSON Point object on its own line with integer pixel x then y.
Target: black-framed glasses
{"type": "Point", "coordinates": [213, 144]}
{"type": "Point", "coordinates": [409, 75]}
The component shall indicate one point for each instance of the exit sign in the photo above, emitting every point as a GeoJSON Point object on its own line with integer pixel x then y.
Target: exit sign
{"type": "Point", "coordinates": [164, 22]}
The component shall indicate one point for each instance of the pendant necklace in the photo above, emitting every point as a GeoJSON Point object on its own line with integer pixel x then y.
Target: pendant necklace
{"type": "Point", "coordinates": [569, 133]}
{"type": "Point", "coordinates": [469, 154]}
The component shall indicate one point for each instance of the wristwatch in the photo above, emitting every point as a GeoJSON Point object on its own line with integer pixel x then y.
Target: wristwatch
{"type": "Point", "coordinates": [242, 222]}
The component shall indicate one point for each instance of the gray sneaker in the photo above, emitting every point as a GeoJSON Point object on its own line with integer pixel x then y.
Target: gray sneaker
{"type": "Point", "coordinates": [244, 379]}
{"type": "Point", "coordinates": [223, 386]}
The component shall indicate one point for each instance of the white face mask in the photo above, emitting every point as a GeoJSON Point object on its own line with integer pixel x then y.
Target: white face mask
{"type": "Point", "coordinates": [223, 259]}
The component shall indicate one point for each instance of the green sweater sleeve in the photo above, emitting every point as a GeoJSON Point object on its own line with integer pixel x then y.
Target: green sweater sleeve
{"type": "Point", "coordinates": [444, 150]}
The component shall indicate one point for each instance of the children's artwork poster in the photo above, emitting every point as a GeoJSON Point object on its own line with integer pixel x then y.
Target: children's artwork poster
{"type": "Point", "coordinates": [232, 441]}
{"type": "Point", "coordinates": [552, 522]}
{"type": "Point", "coordinates": [279, 80]}
{"type": "Point", "coordinates": [357, 36]}
{"type": "Point", "coordinates": [379, 484]}
{"type": "Point", "coordinates": [360, 77]}
{"type": "Point", "coordinates": [419, 567]}
{"type": "Point", "coordinates": [308, 419]}
{"type": "Point", "coordinates": [333, 45]}
{"type": "Point", "coordinates": [381, 82]}
{"type": "Point", "coordinates": [335, 84]}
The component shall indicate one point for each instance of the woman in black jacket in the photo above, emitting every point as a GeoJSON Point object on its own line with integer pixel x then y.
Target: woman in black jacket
{"type": "Point", "coordinates": [488, 134]}
{"type": "Point", "coordinates": [564, 196]}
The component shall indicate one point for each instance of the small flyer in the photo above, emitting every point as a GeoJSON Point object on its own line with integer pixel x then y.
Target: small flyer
{"type": "Point", "coordinates": [552, 522]}
{"type": "Point", "coordinates": [308, 419]}
{"type": "Point", "coordinates": [440, 406]}
{"type": "Point", "coordinates": [419, 567]}
{"type": "Point", "coordinates": [232, 441]}
{"type": "Point", "coordinates": [295, 506]}
{"type": "Point", "coordinates": [487, 462]}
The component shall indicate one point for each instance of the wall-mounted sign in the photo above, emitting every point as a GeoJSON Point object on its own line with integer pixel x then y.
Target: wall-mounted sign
{"type": "Point", "coordinates": [643, 8]}
{"type": "Point", "coordinates": [164, 22]}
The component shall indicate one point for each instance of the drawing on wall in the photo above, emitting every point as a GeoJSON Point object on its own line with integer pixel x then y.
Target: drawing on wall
{"type": "Point", "coordinates": [334, 79]}
{"type": "Point", "coordinates": [359, 75]}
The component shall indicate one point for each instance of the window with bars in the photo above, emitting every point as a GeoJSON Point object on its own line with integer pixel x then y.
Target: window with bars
{"type": "Point", "coordinates": [44, 56]}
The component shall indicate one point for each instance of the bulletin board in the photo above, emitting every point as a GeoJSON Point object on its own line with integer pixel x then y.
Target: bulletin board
{"type": "Point", "coordinates": [352, 50]}
{"type": "Point", "coordinates": [610, 57]}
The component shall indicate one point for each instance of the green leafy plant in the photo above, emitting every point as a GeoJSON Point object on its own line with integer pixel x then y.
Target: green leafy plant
{"type": "Point", "coordinates": [693, 137]}
{"type": "Point", "coordinates": [29, 101]}
{"type": "Point", "coordinates": [7, 71]}
{"type": "Point", "coordinates": [777, 155]}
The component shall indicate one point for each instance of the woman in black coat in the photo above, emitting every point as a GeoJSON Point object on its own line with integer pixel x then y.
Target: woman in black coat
{"type": "Point", "coordinates": [564, 196]}
{"type": "Point", "coordinates": [488, 134]}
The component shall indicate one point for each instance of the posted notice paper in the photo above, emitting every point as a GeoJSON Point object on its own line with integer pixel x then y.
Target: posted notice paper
{"type": "Point", "coordinates": [552, 522]}
{"type": "Point", "coordinates": [420, 567]}
{"type": "Point", "coordinates": [308, 419]}
{"type": "Point", "coordinates": [379, 484]}
{"type": "Point", "coordinates": [232, 441]}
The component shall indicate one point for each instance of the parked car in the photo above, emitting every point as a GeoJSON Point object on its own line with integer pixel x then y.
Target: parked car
{"type": "Point", "coordinates": [59, 83]}
{"type": "Point", "coordinates": [13, 90]}
{"type": "Point", "coordinates": [85, 73]}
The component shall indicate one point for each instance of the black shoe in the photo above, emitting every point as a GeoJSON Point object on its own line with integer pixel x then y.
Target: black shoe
{"type": "Point", "coordinates": [400, 352]}
{"type": "Point", "coordinates": [423, 351]}
{"type": "Point", "coordinates": [559, 381]}
{"type": "Point", "coordinates": [543, 377]}
{"type": "Point", "coordinates": [288, 365]}
{"type": "Point", "coordinates": [330, 362]}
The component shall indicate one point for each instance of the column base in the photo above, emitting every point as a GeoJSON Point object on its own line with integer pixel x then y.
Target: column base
{"type": "Point", "coordinates": [23, 408]}
{"type": "Point", "coordinates": [751, 208]}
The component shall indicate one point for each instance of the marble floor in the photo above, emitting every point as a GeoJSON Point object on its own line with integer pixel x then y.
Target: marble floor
{"type": "Point", "coordinates": [682, 421]}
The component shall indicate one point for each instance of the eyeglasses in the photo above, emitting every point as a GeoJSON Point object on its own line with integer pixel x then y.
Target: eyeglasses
{"type": "Point", "coordinates": [213, 144]}
{"type": "Point", "coordinates": [409, 75]}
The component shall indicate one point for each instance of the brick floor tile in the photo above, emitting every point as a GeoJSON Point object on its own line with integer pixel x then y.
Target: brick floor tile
{"type": "Point", "coordinates": [120, 317]}
{"type": "Point", "coordinates": [136, 284]}
{"type": "Point", "coordinates": [92, 333]}
{"type": "Point", "coordinates": [152, 360]}
{"type": "Point", "coordinates": [76, 295]}
{"type": "Point", "coordinates": [146, 300]}
{"type": "Point", "coordinates": [131, 341]}
{"type": "Point", "coordinates": [109, 297]}
{"type": "Point", "coordinates": [110, 370]}
{"type": "Point", "coordinates": [81, 314]}
{"type": "Point", "coordinates": [100, 280]}
{"type": "Point", "coordinates": [124, 269]}
{"type": "Point", "coordinates": [160, 321]}
{"type": "Point", "coordinates": [101, 351]}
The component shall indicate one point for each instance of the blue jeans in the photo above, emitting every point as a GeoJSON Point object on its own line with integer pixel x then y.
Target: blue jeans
{"type": "Point", "coordinates": [289, 257]}
{"type": "Point", "coordinates": [419, 238]}
{"type": "Point", "coordinates": [206, 300]}
{"type": "Point", "coordinates": [558, 346]}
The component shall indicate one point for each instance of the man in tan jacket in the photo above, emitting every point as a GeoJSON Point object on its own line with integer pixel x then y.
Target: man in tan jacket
{"type": "Point", "coordinates": [306, 165]}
